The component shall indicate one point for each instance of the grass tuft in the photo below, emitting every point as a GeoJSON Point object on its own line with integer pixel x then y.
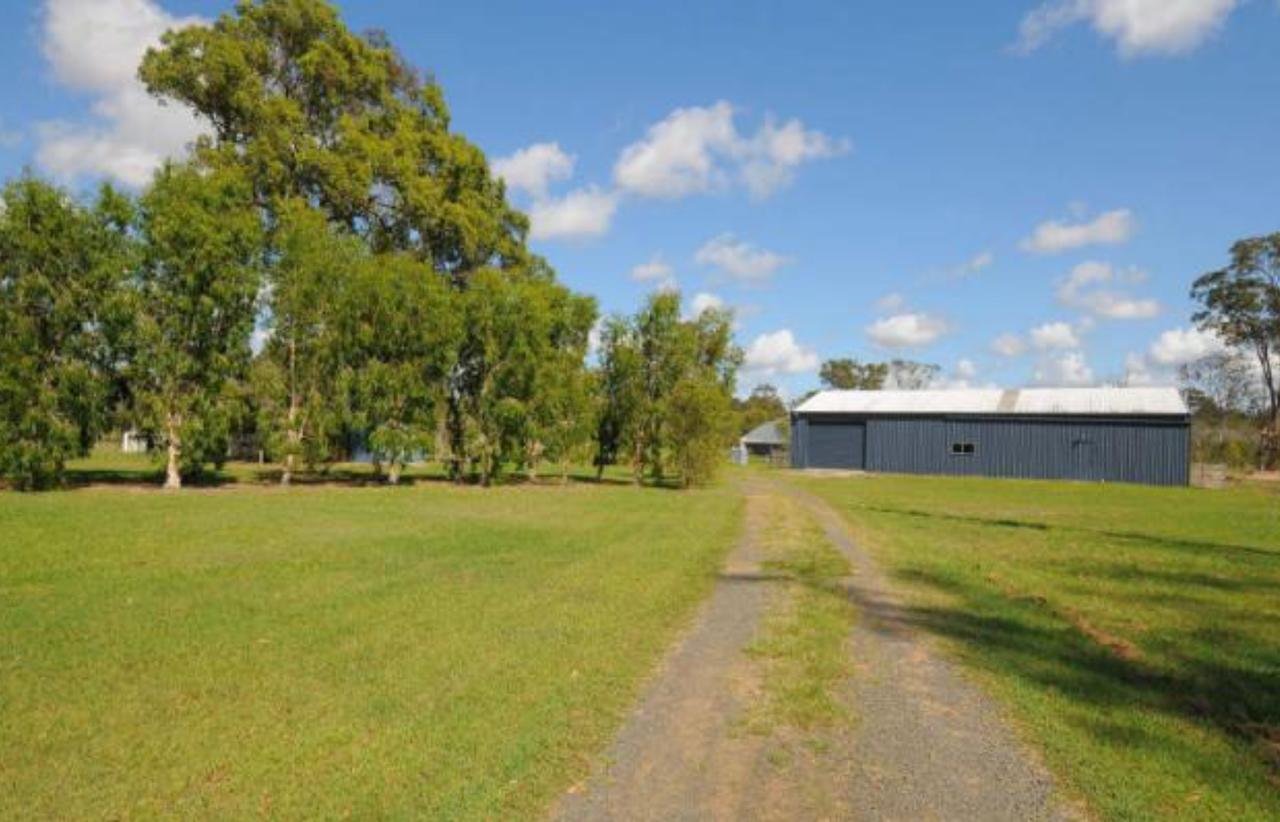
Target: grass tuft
{"type": "Point", "coordinates": [804, 641]}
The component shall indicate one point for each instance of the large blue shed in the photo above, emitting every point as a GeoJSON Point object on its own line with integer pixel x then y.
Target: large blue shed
{"type": "Point", "coordinates": [1137, 435]}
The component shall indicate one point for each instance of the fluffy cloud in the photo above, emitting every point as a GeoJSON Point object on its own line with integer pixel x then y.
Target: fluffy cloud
{"type": "Point", "coordinates": [739, 260]}
{"type": "Point", "coordinates": [910, 330]}
{"type": "Point", "coordinates": [965, 369]}
{"type": "Point", "coordinates": [704, 301]}
{"type": "Point", "coordinates": [1082, 289]}
{"type": "Point", "coordinates": [534, 168]}
{"type": "Point", "coordinates": [1179, 346]}
{"type": "Point", "coordinates": [657, 271]}
{"type": "Point", "coordinates": [1168, 352]}
{"type": "Point", "coordinates": [95, 46]}
{"type": "Point", "coordinates": [1052, 237]}
{"type": "Point", "coordinates": [1136, 26]}
{"type": "Point", "coordinates": [1054, 335]}
{"type": "Point", "coordinates": [1008, 345]}
{"type": "Point", "coordinates": [586, 212]}
{"type": "Point", "coordinates": [778, 353]}
{"type": "Point", "coordinates": [699, 149]}
{"type": "Point", "coordinates": [1069, 369]}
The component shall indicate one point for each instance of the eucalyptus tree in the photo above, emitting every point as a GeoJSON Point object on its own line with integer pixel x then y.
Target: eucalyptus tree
{"type": "Point", "coordinates": [308, 109]}
{"type": "Point", "coordinates": [845, 373]}
{"type": "Point", "coordinates": [666, 386]}
{"type": "Point", "coordinates": [400, 335]}
{"type": "Point", "coordinates": [296, 376]}
{"type": "Point", "coordinates": [62, 309]}
{"type": "Point", "coordinates": [524, 341]}
{"type": "Point", "coordinates": [1241, 305]}
{"type": "Point", "coordinates": [194, 300]}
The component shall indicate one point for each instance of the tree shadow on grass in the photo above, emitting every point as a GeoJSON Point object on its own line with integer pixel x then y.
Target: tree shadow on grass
{"type": "Point", "coordinates": [1231, 688]}
{"type": "Point", "coordinates": [1129, 536]}
{"type": "Point", "coordinates": [152, 477]}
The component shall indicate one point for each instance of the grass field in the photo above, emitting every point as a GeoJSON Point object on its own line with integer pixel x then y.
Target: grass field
{"type": "Point", "coordinates": [331, 651]}
{"type": "Point", "coordinates": [1133, 632]}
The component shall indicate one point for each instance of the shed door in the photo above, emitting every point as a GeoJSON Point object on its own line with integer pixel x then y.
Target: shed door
{"type": "Point", "coordinates": [837, 445]}
{"type": "Point", "coordinates": [1085, 462]}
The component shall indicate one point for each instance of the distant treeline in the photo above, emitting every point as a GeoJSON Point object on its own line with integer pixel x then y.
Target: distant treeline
{"type": "Point", "coordinates": [332, 215]}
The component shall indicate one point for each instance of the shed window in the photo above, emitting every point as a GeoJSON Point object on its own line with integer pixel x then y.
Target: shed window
{"type": "Point", "coordinates": [963, 449]}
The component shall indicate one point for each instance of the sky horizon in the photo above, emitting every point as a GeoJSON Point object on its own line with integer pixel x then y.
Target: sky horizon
{"type": "Point", "coordinates": [1021, 193]}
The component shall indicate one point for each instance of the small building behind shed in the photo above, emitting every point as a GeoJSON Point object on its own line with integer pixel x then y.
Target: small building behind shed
{"type": "Point", "coordinates": [766, 439]}
{"type": "Point", "coordinates": [1139, 435]}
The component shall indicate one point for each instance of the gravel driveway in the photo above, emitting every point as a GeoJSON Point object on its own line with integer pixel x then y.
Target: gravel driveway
{"type": "Point", "coordinates": [926, 743]}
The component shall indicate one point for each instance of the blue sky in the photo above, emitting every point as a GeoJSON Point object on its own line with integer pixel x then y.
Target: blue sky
{"type": "Point", "coordinates": [1020, 192]}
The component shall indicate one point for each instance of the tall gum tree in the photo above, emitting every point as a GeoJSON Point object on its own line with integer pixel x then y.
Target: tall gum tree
{"type": "Point", "coordinates": [195, 296]}
{"type": "Point", "coordinates": [1241, 304]}
{"type": "Point", "coordinates": [62, 310]}
{"type": "Point", "coordinates": [307, 110]}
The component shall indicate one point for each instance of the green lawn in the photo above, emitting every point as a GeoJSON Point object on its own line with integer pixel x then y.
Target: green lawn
{"type": "Point", "coordinates": [1133, 632]}
{"type": "Point", "coordinates": [424, 651]}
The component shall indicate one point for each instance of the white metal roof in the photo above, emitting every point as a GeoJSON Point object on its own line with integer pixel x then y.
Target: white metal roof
{"type": "Point", "coordinates": [1137, 401]}
{"type": "Point", "coordinates": [769, 433]}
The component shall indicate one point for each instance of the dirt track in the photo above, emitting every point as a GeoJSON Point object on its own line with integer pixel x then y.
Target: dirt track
{"type": "Point", "coordinates": [926, 743]}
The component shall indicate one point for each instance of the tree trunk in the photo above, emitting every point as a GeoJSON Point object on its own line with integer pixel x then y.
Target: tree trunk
{"type": "Point", "coordinates": [292, 434]}
{"type": "Point", "coordinates": [172, 476]}
{"type": "Point", "coordinates": [393, 474]}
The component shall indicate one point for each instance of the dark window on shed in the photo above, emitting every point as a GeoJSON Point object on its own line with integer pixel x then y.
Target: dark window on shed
{"type": "Point", "coordinates": [963, 449]}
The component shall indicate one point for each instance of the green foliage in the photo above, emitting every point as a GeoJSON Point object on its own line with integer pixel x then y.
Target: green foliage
{"type": "Point", "coordinates": [700, 426]}
{"type": "Point", "coordinates": [297, 376]}
{"type": "Point", "coordinates": [667, 387]}
{"type": "Point", "coordinates": [194, 298]}
{"type": "Point", "coordinates": [763, 405]}
{"type": "Point", "coordinates": [61, 310]}
{"type": "Point", "coordinates": [309, 110]}
{"type": "Point", "coordinates": [1241, 304]}
{"type": "Point", "coordinates": [848, 374]}
{"type": "Point", "coordinates": [519, 370]}
{"type": "Point", "coordinates": [401, 332]}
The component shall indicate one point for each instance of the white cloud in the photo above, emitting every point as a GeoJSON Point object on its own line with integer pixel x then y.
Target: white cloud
{"type": "Point", "coordinates": [769, 159]}
{"type": "Point", "coordinates": [910, 330]}
{"type": "Point", "coordinates": [1179, 346]}
{"type": "Point", "coordinates": [739, 260]}
{"type": "Point", "coordinates": [699, 149]}
{"type": "Point", "coordinates": [657, 271]}
{"type": "Point", "coordinates": [533, 168]}
{"type": "Point", "coordinates": [586, 212]}
{"type": "Point", "coordinates": [95, 46]}
{"type": "Point", "coordinates": [1136, 26]}
{"type": "Point", "coordinates": [1054, 335]}
{"type": "Point", "coordinates": [1138, 371]}
{"type": "Point", "coordinates": [704, 301]}
{"type": "Point", "coordinates": [1008, 345]}
{"type": "Point", "coordinates": [779, 353]}
{"type": "Point", "coordinates": [974, 265]}
{"type": "Point", "coordinates": [1069, 369]}
{"type": "Point", "coordinates": [893, 301]}
{"type": "Point", "coordinates": [1110, 228]}
{"type": "Point", "coordinates": [965, 369]}
{"type": "Point", "coordinates": [1079, 290]}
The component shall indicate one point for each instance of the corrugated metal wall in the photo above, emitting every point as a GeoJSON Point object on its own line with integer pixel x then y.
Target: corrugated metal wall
{"type": "Point", "coordinates": [1151, 451]}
